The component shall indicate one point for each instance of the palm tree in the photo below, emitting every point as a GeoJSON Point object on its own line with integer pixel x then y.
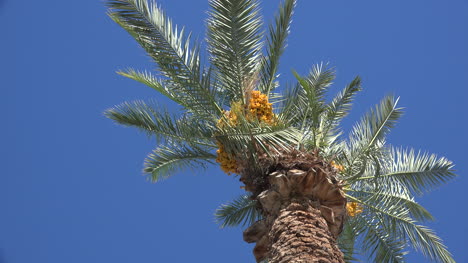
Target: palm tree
{"type": "Point", "coordinates": [314, 195]}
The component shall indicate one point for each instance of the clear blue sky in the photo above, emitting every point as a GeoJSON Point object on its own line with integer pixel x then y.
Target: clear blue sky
{"type": "Point", "coordinates": [71, 189]}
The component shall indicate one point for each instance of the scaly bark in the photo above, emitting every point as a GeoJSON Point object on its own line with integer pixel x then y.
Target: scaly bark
{"type": "Point", "coordinates": [300, 235]}
{"type": "Point", "coordinates": [303, 213]}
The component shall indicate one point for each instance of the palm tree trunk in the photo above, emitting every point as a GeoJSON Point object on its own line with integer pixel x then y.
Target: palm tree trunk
{"type": "Point", "coordinates": [301, 234]}
{"type": "Point", "coordinates": [303, 216]}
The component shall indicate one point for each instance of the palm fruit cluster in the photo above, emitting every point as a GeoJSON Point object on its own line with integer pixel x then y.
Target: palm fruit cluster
{"type": "Point", "coordinates": [338, 167]}
{"type": "Point", "coordinates": [228, 163]}
{"type": "Point", "coordinates": [260, 108]}
{"type": "Point", "coordinates": [353, 208]}
{"type": "Point", "coordinates": [257, 108]}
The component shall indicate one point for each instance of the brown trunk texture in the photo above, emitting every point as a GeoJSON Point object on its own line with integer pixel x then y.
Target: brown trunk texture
{"type": "Point", "coordinates": [301, 235]}
{"type": "Point", "coordinates": [303, 213]}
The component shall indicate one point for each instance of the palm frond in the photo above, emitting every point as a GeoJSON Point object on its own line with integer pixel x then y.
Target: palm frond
{"type": "Point", "coordinates": [166, 159]}
{"type": "Point", "coordinates": [234, 42]}
{"type": "Point", "coordinates": [372, 129]}
{"type": "Point", "coordinates": [329, 132]}
{"type": "Point", "coordinates": [276, 43]}
{"type": "Point", "coordinates": [380, 244]}
{"type": "Point", "coordinates": [250, 136]}
{"type": "Point", "coordinates": [293, 105]}
{"type": "Point", "coordinates": [305, 102]}
{"type": "Point", "coordinates": [347, 239]}
{"type": "Point", "coordinates": [170, 49]}
{"type": "Point", "coordinates": [310, 93]}
{"type": "Point", "coordinates": [425, 240]}
{"type": "Point", "coordinates": [240, 211]}
{"type": "Point", "coordinates": [157, 121]}
{"type": "Point", "coordinates": [310, 101]}
{"type": "Point", "coordinates": [395, 219]}
{"type": "Point", "coordinates": [394, 196]}
{"type": "Point", "coordinates": [417, 171]}
{"type": "Point", "coordinates": [148, 79]}
{"type": "Point", "coordinates": [320, 78]}
{"type": "Point", "coordinates": [339, 107]}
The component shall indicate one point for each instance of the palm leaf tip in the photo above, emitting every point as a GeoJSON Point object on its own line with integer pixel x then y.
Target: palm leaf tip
{"type": "Point", "coordinates": [156, 121]}
{"type": "Point", "coordinates": [370, 132]}
{"type": "Point", "coordinates": [341, 104]}
{"type": "Point", "coordinates": [276, 43]}
{"type": "Point", "coordinates": [166, 159]}
{"type": "Point", "coordinates": [136, 113]}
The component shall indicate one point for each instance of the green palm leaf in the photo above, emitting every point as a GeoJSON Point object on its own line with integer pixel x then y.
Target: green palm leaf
{"type": "Point", "coordinates": [397, 197]}
{"type": "Point", "coordinates": [395, 220]}
{"type": "Point", "coordinates": [158, 122]}
{"type": "Point", "coordinates": [249, 137]}
{"type": "Point", "coordinates": [311, 99]}
{"type": "Point", "coordinates": [166, 159]}
{"type": "Point", "coordinates": [328, 134]}
{"type": "Point", "coordinates": [368, 135]}
{"type": "Point", "coordinates": [310, 92]}
{"type": "Point", "coordinates": [380, 244]}
{"type": "Point", "coordinates": [320, 78]}
{"type": "Point", "coordinates": [347, 239]}
{"type": "Point", "coordinates": [293, 106]}
{"type": "Point", "coordinates": [276, 43]}
{"type": "Point", "coordinates": [419, 172]}
{"type": "Point", "coordinates": [376, 124]}
{"type": "Point", "coordinates": [177, 61]}
{"type": "Point", "coordinates": [338, 108]}
{"type": "Point", "coordinates": [240, 211]}
{"type": "Point", "coordinates": [234, 42]}
{"type": "Point", "coordinates": [148, 79]}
